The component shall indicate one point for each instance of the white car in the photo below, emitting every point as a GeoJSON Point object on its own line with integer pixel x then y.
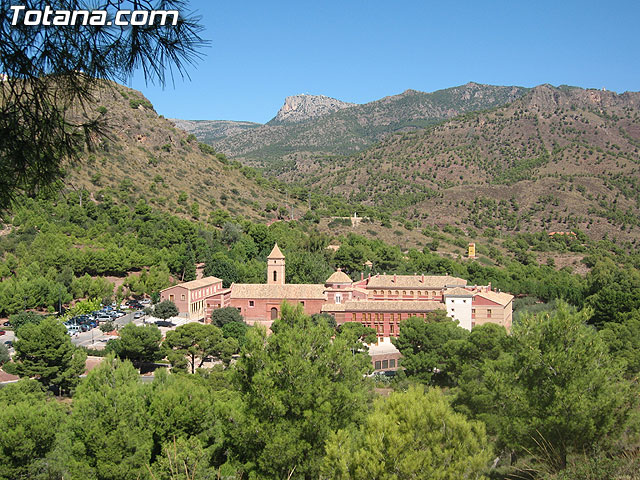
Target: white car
{"type": "Point", "coordinates": [73, 329]}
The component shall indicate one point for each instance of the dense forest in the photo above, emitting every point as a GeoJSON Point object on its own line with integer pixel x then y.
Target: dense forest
{"type": "Point", "coordinates": [556, 398]}
{"type": "Point", "coordinates": [57, 252]}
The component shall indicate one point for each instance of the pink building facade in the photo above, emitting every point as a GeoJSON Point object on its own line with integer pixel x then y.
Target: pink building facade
{"type": "Point", "coordinates": [381, 302]}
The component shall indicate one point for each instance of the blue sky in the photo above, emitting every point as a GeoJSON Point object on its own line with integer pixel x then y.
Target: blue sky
{"type": "Point", "coordinates": [359, 51]}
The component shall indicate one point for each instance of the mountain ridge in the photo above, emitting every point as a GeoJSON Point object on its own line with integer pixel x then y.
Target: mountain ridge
{"type": "Point", "coordinates": [353, 129]}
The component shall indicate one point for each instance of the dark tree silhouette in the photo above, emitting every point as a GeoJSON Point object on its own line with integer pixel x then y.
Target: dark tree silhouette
{"type": "Point", "coordinates": [49, 73]}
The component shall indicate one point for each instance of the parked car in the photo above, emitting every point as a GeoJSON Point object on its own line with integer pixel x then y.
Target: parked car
{"type": "Point", "coordinates": [2, 332]}
{"type": "Point", "coordinates": [138, 315]}
{"type": "Point", "coordinates": [146, 301]}
{"type": "Point", "coordinates": [165, 323]}
{"type": "Point", "coordinates": [104, 318]}
{"type": "Point", "coordinates": [71, 329]}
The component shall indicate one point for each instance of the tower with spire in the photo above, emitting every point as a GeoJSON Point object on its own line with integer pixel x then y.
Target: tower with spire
{"type": "Point", "coordinates": [275, 267]}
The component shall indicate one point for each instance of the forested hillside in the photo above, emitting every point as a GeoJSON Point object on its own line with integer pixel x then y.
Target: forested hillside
{"type": "Point", "coordinates": [143, 155]}
{"type": "Point", "coordinates": [555, 159]}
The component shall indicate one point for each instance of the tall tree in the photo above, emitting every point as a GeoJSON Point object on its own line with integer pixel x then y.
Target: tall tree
{"type": "Point", "coordinates": [413, 434]}
{"type": "Point", "coordinates": [555, 392]}
{"type": "Point", "coordinates": [221, 316]}
{"type": "Point", "coordinates": [107, 436]}
{"type": "Point", "coordinates": [138, 343]}
{"type": "Point", "coordinates": [30, 423]}
{"type": "Point", "coordinates": [196, 342]}
{"type": "Point", "coordinates": [44, 351]}
{"type": "Point", "coordinates": [433, 350]}
{"type": "Point", "coordinates": [298, 385]}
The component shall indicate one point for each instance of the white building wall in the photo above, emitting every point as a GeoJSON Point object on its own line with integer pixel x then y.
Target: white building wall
{"type": "Point", "coordinates": [459, 308]}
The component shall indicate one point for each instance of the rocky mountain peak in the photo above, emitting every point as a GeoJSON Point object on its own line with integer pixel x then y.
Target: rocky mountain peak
{"type": "Point", "coordinates": [298, 108]}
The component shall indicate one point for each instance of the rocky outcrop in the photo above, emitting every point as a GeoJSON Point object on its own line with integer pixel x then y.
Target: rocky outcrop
{"type": "Point", "coordinates": [299, 108]}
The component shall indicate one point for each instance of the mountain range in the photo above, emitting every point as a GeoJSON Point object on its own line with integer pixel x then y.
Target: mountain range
{"type": "Point", "coordinates": [542, 158]}
{"type": "Point", "coordinates": [351, 128]}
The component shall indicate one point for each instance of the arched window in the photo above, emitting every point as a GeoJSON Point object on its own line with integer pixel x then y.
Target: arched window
{"type": "Point", "coordinates": [275, 276]}
{"type": "Point", "coordinates": [274, 313]}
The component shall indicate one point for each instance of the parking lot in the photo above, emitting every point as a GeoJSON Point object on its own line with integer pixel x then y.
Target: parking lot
{"type": "Point", "coordinates": [94, 338]}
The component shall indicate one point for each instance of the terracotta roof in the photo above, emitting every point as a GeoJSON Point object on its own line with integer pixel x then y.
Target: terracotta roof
{"type": "Point", "coordinates": [202, 282]}
{"type": "Point", "coordinates": [287, 291]}
{"type": "Point", "coordinates": [339, 277]}
{"type": "Point", "coordinates": [457, 292]}
{"type": "Point", "coordinates": [414, 281]}
{"type": "Point", "coordinates": [384, 306]}
{"type": "Point", "coordinates": [276, 253]}
{"type": "Point", "coordinates": [498, 297]}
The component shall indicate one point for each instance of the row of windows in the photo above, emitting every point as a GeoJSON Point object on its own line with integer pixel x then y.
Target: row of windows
{"type": "Point", "coordinates": [203, 293]}
{"type": "Point", "coordinates": [380, 317]}
{"type": "Point", "coordinates": [382, 364]}
{"type": "Point", "coordinates": [379, 328]}
{"type": "Point", "coordinates": [420, 293]}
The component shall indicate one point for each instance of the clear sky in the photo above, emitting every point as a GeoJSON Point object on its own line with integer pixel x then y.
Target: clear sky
{"type": "Point", "coordinates": [359, 51]}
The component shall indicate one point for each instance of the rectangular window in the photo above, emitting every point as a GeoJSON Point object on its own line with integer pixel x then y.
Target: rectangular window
{"type": "Point", "coordinates": [251, 303]}
{"type": "Point", "coordinates": [391, 327]}
{"type": "Point", "coordinates": [489, 313]}
{"type": "Point", "coordinates": [378, 365]}
{"type": "Point", "coordinates": [302, 303]}
{"type": "Point", "coordinates": [353, 317]}
{"type": "Point", "coordinates": [392, 363]}
{"type": "Point", "coordinates": [473, 310]}
{"type": "Point", "coordinates": [171, 298]}
{"type": "Point", "coordinates": [338, 298]}
{"type": "Point", "coordinates": [182, 297]}
{"type": "Point", "coordinates": [385, 364]}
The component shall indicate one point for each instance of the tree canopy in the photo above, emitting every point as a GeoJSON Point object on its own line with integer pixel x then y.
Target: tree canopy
{"type": "Point", "coordinates": [44, 351]}
{"type": "Point", "coordinates": [298, 385]}
{"type": "Point", "coordinates": [165, 309]}
{"type": "Point", "coordinates": [413, 434]}
{"type": "Point", "coordinates": [138, 343]}
{"type": "Point", "coordinates": [556, 390]}
{"type": "Point", "coordinates": [195, 342]}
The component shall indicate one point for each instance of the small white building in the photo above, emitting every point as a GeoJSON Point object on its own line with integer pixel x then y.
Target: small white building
{"type": "Point", "coordinates": [459, 303]}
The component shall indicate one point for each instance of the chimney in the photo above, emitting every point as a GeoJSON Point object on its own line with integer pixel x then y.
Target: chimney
{"type": "Point", "coordinates": [489, 286]}
{"type": "Point", "coordinates": [422, 279]}
{"type": "Point", "coordinates": [394, 278]}
{"type": "Point", "coordinates": [361, 275]}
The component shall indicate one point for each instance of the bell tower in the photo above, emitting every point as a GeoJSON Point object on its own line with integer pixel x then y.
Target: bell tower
{"type": "Point", "coordinates": [275, 267]}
